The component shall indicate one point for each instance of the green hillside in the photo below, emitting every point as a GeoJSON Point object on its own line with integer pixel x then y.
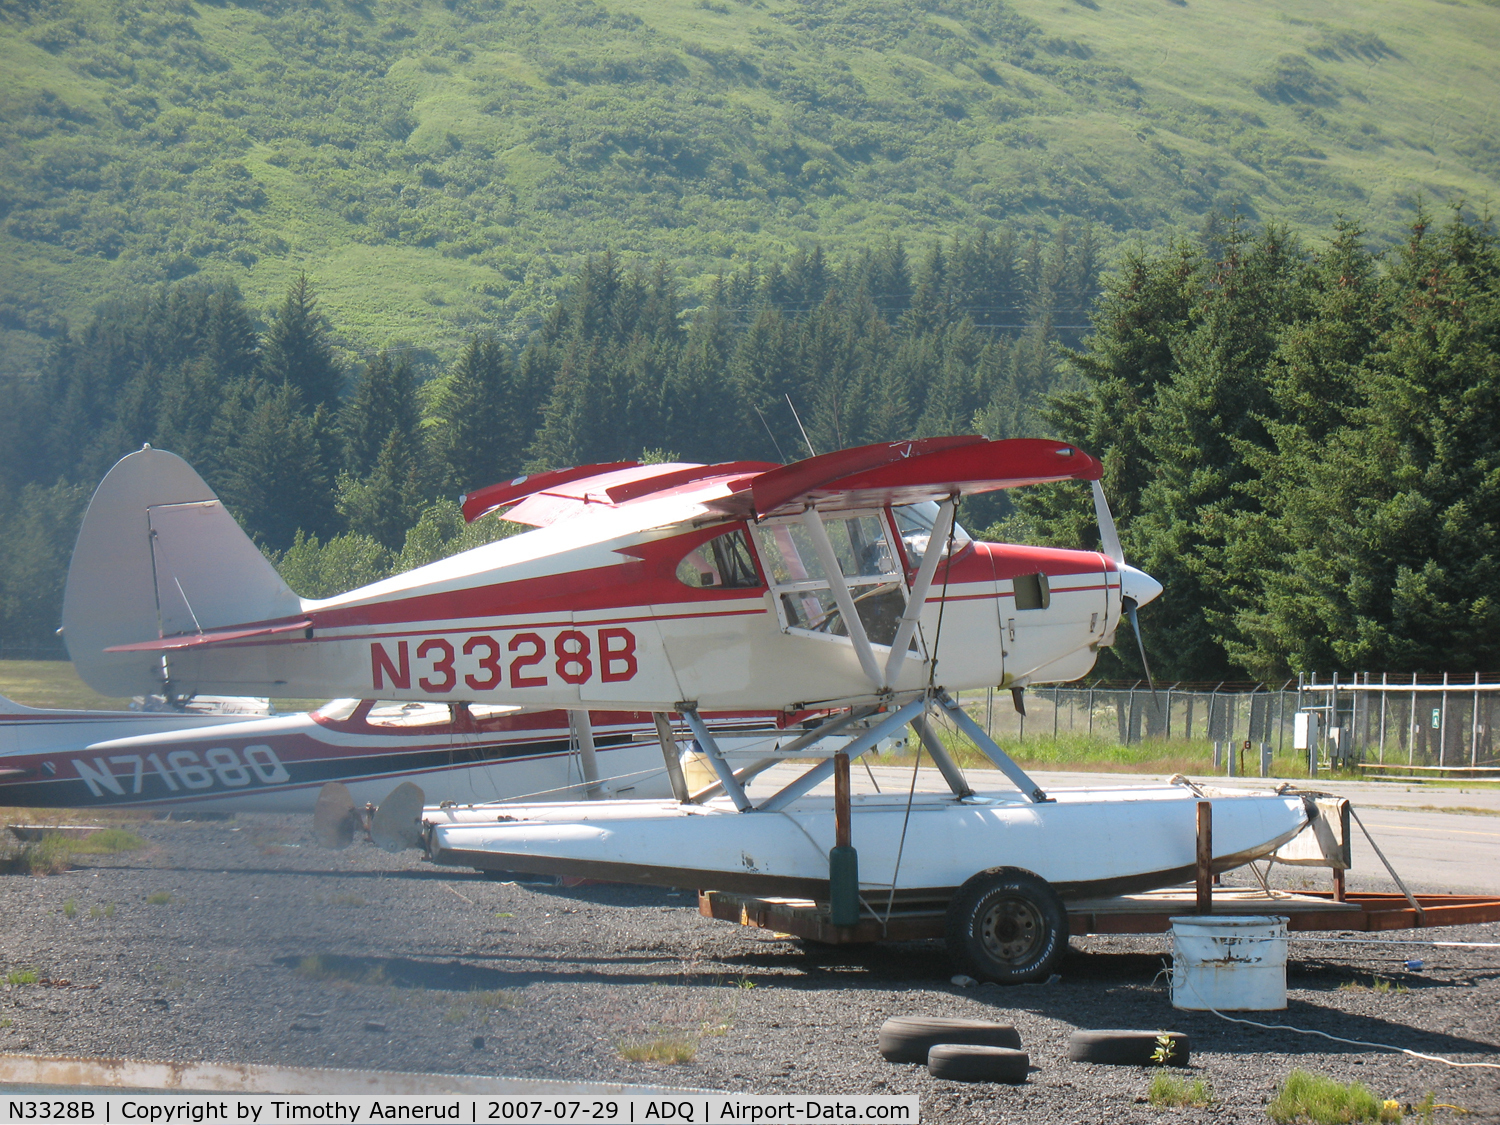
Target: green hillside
{"type": "Point", "coordinates": [436, 165]}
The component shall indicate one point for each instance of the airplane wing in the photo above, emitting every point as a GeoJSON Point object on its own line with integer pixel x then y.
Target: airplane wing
{"type": "Point", "coordinates": [898, 472]}
{"type": "Point", "coordinates": [908, 472]}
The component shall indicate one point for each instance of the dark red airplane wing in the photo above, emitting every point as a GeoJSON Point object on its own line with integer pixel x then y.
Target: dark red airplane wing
{"type": "Point", "coordinates": [909, 472]}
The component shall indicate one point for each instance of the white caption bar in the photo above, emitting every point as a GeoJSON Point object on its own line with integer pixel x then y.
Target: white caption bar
{"type": "Point", "coordinates": [625, 1109]}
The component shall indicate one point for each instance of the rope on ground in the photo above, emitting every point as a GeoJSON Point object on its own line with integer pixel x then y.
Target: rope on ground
{"type": "Point", "coordinates": [1339, 1038]}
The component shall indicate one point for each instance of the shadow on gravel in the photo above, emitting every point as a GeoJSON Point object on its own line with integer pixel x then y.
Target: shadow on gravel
{"type": "Point", "coordinates": [462, 976]}
{"type": "Point", "coordinates": [440, 875]}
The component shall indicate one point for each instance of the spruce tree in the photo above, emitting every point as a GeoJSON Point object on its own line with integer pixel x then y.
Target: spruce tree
{"type": "Point", "coordinates": [296, 352]}
{"type": "Point", "coordinates": [386, 502]}
{"type": "Point", "coordinates": [231, 346]}
{"type": "Point", "coordinates": [277, 481]}
{"type": "Point", "coordinates": [478, 435]}
{"type": "Point", "coordinates": [384, 400]}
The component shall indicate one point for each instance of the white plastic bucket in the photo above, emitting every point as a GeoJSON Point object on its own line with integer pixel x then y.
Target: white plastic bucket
{"type": "Point", "coordinates": [1228, 963]}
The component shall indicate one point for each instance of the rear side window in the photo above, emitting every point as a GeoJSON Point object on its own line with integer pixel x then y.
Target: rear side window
{"type": "Point", "coordinates": [722, 563]}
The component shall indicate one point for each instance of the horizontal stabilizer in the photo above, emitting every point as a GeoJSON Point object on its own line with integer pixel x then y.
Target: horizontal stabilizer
{"type": "Point", "coordinates": [214, 637]}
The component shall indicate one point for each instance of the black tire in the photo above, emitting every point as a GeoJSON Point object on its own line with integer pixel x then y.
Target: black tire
{"type": "Point", "coordinates": [959, 1062]}
{"type": "Point", "coordinates": [1129, 1048]}
{"type": "Point", "coordinates": [1007, 925]}
{"type": "Point", "coordinates": [910, 1038]}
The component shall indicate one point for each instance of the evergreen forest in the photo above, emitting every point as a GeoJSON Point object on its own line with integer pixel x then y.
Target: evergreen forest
{"type": "Point", "coordinates": [1300, 440]}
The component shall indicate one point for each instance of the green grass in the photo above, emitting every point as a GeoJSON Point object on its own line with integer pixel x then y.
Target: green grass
{"type": "Point", "coordinates": [107, 842]}
{"type": "Point", "coordinates": [1095, 754]}
{"type": "Point", "coordinates": [673, 1049]}
{"type": "Point", "coordinates": [52, 683]}
{"type": "Point", "coordinates": [456, 161]}
{"type": "Point", "coordinates": [22, 976]}
{"type": "Point", "coordinates": [1319, 1100]}
{"type": "Point", "coordinates": [51, 855]}
{"type": "Point", "coordinates": [1380, 986]}
{"type": "Point", "coordinates": [1170, 1092]}
{"type": "Point", "coordinates": [159, 898]}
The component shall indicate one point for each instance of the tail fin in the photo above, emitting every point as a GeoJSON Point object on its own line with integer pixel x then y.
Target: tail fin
{"type": "Point", "coordinates": [158, 556]}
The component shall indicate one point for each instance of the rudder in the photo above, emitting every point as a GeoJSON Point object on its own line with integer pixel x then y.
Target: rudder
{"type": "Point", "coordinates": [159, 556]}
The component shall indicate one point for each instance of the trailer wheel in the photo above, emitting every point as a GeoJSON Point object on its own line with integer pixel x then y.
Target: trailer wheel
{"type": "Point", "coordinates": [1007, 925]}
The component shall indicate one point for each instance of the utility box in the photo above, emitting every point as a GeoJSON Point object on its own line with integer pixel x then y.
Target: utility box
{"type": "Point", "coordinates": [1306, 730]}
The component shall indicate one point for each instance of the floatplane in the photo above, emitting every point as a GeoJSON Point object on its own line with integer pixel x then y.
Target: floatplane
{"type": "Point", "coordinates": [838, 592]}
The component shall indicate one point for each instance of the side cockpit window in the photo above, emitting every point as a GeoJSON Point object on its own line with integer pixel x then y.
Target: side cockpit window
{"type": "Point", "coordinates": [914, 522]}
{"type": "Point", "coordinates": [722, 563]}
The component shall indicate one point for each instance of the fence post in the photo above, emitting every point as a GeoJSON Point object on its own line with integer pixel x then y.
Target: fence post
{"type": "Point", "coordinates": [1411, 726]}
{"type": "Point", "coordinates": [1265, 759]}
{"type": "Point", "coordinates": [1384, 681]}
{"type": "Point", "coordinates": [1474, 726]}
{"type": "Point", "coordinates": [1443, 726]}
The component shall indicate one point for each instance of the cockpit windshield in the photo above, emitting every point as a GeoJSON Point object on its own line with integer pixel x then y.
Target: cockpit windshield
{"type": "Point", "coordinates": [914, 522]}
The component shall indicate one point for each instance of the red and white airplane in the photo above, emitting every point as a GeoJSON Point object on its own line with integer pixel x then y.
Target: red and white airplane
{"type": "Point", "coordinates": [839, 585]}
{"type": "Point", "coordinates": [192, 760]}
{"type": "Point", "coordinates": [738, 587]}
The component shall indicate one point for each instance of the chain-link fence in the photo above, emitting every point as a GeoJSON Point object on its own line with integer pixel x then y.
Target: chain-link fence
{"type": "Point", "coordinates": [1128, 713]}
{"type": "Point", "coordinates": [1412, 720]}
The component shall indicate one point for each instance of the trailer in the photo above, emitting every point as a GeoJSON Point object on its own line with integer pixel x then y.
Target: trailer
{"type": "Point", "coordinates": [1147, 913]}
{"type": "Point", "coordinates": [1325, 843]}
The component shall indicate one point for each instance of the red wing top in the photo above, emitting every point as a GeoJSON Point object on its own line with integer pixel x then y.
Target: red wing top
{"type": "Point", "coordinates": [903, 472]}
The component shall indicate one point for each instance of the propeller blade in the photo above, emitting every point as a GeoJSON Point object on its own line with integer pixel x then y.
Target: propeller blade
{"type": "Point", "coordinates": [397, 822]}
{"type": "Point", "coordinates": [1108, 536]}
{"type": "Point", "coordinates": [1135, 623]}
{"type": "Point", "coordinates": [334, 818]}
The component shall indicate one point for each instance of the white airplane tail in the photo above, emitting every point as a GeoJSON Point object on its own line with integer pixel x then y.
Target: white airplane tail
{"type": "Point", "coordinates": [159, 556]}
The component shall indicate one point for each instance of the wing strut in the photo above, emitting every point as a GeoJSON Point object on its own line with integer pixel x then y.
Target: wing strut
{"type": "Point", "coordinates": [918, 596]}
{"type": "Point", "coordinates": [890, 724]}
{"type": "Point", "coordinates": [715, 756]}
{"type": "Point", "coordinates": [1002, 760]}
{"type": "Point", "coordinates": [588, 760]}
{"type": "Point", "coordinates": [671, 756]}
{"type": "Point", "coordinates": [839, 588]}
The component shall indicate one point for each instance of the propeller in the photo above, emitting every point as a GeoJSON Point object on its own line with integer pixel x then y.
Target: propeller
{"type": "Point", "coordinates": [395, 825]}
{"type": "Point", "coordinates": [335, 817]}
{"type": "Point", "coordinates": [1136, 586]}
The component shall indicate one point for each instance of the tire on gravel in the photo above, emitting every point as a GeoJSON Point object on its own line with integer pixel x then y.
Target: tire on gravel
{"type": "Point", "coordinates": [1007, 925]}
{"type": "Point", "coordinates": [962, 1062]}
{"type": "Point", "coordinates": [1128, 1048]}
{"type": "Point", "coordinates": [910, 1038]}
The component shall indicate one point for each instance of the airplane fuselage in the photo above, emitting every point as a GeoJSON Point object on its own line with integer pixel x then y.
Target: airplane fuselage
{"type": "Point", "coordinates": [612, 623]}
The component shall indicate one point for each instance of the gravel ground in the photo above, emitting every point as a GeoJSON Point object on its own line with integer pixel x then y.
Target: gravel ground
{"type": "Point", "coordinates": [273, 951]}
